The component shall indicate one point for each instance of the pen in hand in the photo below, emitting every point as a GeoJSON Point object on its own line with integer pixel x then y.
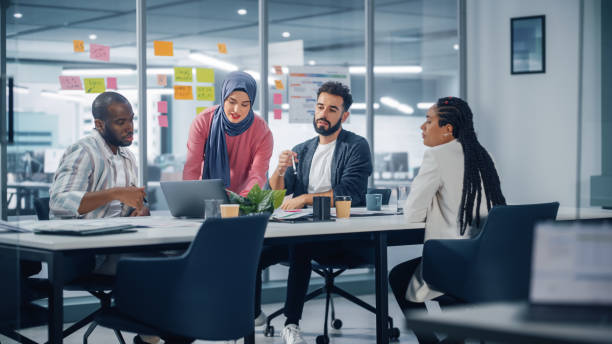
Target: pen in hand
{"type": "Point", "coordinates": [293, 163]}
{"type": "Point", "coordinates": [144, 198]}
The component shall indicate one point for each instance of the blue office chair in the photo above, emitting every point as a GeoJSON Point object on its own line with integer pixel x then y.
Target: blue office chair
{"type": "Point", "coordinates": [493, 266]}
{"type": "Point", "coordinates": [207, 293]}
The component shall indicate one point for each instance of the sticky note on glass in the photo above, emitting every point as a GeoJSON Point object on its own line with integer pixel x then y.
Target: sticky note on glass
{"type": "Point", "coordinates": [222, 48]}
{"type": "Point", "coordinates": [163, 121]}
{"type": "Point", "coordinates": [205, 93]}
{"type": "Point", "coordinates": [278, 70]}
{"type": "Point", "coordinates": [183, 92]}
{"type": "Point", "coordinates": [70, 82]}
{"type": "Point", "coordinates": [199, 109]}
{"type": "Point", "coordinates": [279, 84]}
{"type": "Point", "coordinates": [205, 75]}
{"type": "Point", "coordinates": [99, 52]}
{"type": "Point", "coordinates": [79, 46]}
{"type": "Point", "coordinates": [163, 48]}
{"type": "Point", "coordinates": [278, 98]}
{"type": "Point", "coordinates": [162, 106]}
{"type": "Point", "coordinates": [162, 79]}
{"type": "Point", "coordinates": [94, 85]}
{"type": "Point", "coordinates": [278, 113]}
{"type": "Point", "coordinates": [183, 74]}
{"type": "Point", "coordinates": [111, 83]}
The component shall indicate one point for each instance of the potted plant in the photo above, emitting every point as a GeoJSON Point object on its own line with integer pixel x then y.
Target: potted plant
{"type": "Point", "coordinates": [258, 200]}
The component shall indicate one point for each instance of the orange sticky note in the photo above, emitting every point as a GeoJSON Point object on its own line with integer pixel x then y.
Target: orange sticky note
{"type": "Point", "coordinates": [163, 48]}
{"type": "Point", "coordinates": [162, 79]}
{"type": "Point", "coordinates": [183, 92]}
{"type": "Point", "coordinates": [163, 121]}
{"type": "Point", "coordinates": [111, 83]}
{"type": "Point", "coordinates": [278, 70]}
{"type": "Point", "coordinates": [222, 48]}
{"type": "Point", "coordinates": [279, 84]}
{"type": "Point", "coordinates": [79, 46]}
{"type": "Point", "coordinates": [278, 113]}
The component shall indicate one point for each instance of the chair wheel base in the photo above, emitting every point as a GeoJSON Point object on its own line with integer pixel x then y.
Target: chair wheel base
{"type": "Point", "coordinates": [269, 331]}
{"type": "Point", "coordinates": [336, 324]}
{"type": "Point", "coordinates": [394, 334]}
{"type": "Point", "coordinates": [322, 339]}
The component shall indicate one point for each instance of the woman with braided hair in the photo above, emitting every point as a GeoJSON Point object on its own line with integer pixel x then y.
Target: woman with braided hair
{"type": "Point", "coordinates": [456, 186]}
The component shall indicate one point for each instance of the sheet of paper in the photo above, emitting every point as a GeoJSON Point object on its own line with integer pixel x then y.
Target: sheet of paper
{"type": "Point", "coordinates": [278, 98]}
{"type": "Point", "coordinates": [94, 85]}
{"type": "Point", "coordinates": [205, 75]}
{"type": "Point", "coordinates": [206, 93]}
{"type": "Point", "coordinates": [162, 106]}
{"type": "Point", "coordinates": [278, 113]}
{"type": "Point", "coordinates": [99, 52]}
{"type": "Point", "coordinates": [222, 48]}
{"type": "Point", "coordinates": [111, 83]}
{"type": "Point", "coordinates": [69, 82]}
{"type": "Point", "coordinates": [183, 92]}
{"type": "Point", "coordinates": [78, 45]}
{"type": "Point", "coordinates": [163, 121]}
{"type": "Point", "coordinates": [163, 48]}
{"type": "Point", "coordinates": [162, 80]}
{"type": "Point", "coordinates": [183, 74]}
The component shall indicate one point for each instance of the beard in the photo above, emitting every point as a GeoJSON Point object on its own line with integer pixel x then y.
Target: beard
{"type": "Point", "coordinates": [330, 129]}
{"type": "Point", "coordinates": [112, 139]}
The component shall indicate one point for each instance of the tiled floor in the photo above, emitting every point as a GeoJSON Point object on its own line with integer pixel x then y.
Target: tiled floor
{"type": "Point", "coordinates": [359, 326]}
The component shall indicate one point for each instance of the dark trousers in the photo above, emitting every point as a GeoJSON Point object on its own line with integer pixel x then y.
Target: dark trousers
{"type": "Point", "coordinates": [399, 278]}
{"type": "Point", "coordinates": [298, 258]}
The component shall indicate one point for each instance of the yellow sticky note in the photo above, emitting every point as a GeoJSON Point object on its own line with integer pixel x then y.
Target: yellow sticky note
{"type": "Point", "coordinates": [279, 84]}
{"type": "Point", "coordinates": [199, 109]}
{"type": "Point", "coordinates": [205, 75]}
{"type": "Point", "coordinates": [183, 92]}
{"type": "Point", "coordinates": [94, 85]}
{"type": "Point", "coordinates": [205, 93]}
{"type": "Point", "coordinates": [79, 46]}
{"type": "Point", "coordinates": [222, 48]}
{"type": "Point", "coordinates": [183, 74]}
{"type": "Point", "coordinates": [163, 48]}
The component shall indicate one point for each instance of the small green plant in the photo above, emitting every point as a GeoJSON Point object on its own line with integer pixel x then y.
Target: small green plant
{"type": "Point", "coordinates": [258, 200]}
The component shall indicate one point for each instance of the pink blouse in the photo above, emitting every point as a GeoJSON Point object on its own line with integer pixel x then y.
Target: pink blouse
{"type": "Point", "coordinates": [249, 153]}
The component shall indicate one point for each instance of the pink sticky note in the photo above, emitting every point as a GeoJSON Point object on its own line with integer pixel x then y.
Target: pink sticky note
{"type": "Point", "coordinates": [99, 52]}
{"type": "Point", "coordinates": [111, 83]}
{"type": "Point", "coordinates": [163, 121]}
{"type": "Point", "coordinates": [278, 113]}
{"type": "Point", "coordinates": [70, 82]}
{"type": "Point", "coordinates": [162, 106]}
{"type": "Point", "coordinates": [278, 98]}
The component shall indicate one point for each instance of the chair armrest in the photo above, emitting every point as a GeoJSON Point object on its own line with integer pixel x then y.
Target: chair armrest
{"type": "Point", "coordinates": [446, 264]}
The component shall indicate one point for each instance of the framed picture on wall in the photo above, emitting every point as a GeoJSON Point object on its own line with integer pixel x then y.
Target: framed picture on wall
{"type": "Point", "coordinates": [528, 45]}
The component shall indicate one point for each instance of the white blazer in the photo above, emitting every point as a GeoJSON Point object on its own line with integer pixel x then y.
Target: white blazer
{"type": "Point", "coordinates": [435, 196]}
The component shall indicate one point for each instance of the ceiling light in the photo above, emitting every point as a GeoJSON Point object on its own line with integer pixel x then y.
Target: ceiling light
{"type": "Point", "coordinates": [99, 71]}
{"type": "Point", "coordinates": [253, 73]}
{"type": "Point", "coordinates": [242, 11]}
{"type": "Point", "coordinates": [362, 106]}
{"type": "Point", "coordinates": [286, 34]}
{"type": "Point", "coordinates": [17, 15]}
{"type": "Point", "coordinates": [424, 106]}
{"type": "Point", "coordinates": [285, 106]}
{"type": "Point", "coordinates": [93, 36]}
{"type": "Point", "coordinates": [211, 61]}
{"type": "Point", "coordinates": [312, 62]}
{"type": "Point", "coordinates": [388, 69]}
{"type": "Point", "coordinates": [456, 46]}
{"type": "Point", "coordinates": [153, 71]}
{"type": "Point", "coordinates": [54, 95]}
{"type": "Point", "coordinates": [19, 89]}
{"type": "Point", "coordinates": [390, 102]}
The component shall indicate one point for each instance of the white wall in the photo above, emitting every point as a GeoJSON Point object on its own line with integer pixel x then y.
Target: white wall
{"type": "Point", "coordinates": [528, 122]}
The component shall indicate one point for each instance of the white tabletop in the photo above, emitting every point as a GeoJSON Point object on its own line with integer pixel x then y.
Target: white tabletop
{"type": "Point", "coordinates": [167, 230]}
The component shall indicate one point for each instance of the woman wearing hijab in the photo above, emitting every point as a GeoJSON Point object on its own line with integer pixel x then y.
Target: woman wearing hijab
{"type": "Point", "coordinates": [228, 141]}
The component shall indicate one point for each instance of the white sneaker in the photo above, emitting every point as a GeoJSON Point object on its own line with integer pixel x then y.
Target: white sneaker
{"type": "Point", "coordinates": [261, 319]}
{"type": "Point", "coordinates": [292, 335]}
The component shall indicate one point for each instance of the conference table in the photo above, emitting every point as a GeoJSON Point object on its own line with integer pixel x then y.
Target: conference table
{"type": "Point", "coordinates": [163, 232]}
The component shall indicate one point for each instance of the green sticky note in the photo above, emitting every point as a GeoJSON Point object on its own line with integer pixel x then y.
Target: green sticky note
{"type": "Point", "coordinates": [205, 93]}
{"type": "Point", "coordinates": [205, 75]}
{"type": "Point", "coordinates": [94, 85]}
{"type": "Point", "coordinates": [183, 74]}
{"type": "Point", "coordinates": [199, 109]}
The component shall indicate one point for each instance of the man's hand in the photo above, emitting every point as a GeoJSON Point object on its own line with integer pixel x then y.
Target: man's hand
{"type": "Point", "coordinates": [131, 196]}
{"type": "Point", "coordinates": [144, 211]}
{"type": "Point", "coordinates": [294, 203]}
{"type": "Point", "coordinates": [284, 161]}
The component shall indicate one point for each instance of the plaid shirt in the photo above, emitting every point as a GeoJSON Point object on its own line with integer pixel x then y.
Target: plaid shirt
{"type": "Point", "coordinates": [87, 166]}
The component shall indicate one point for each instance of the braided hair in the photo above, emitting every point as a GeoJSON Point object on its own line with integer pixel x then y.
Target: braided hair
{"type": "Point", "coordinates": [478, 165]}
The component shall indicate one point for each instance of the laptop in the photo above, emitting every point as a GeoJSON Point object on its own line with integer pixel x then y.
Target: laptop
{"type": "Point", "coordinates": [571, 272]}
{"type": "Point", "coordinates": [186, 198]}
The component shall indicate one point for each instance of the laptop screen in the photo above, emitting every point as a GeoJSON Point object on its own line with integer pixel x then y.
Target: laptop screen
{"type": "Point", "coordinates": [572, 264]}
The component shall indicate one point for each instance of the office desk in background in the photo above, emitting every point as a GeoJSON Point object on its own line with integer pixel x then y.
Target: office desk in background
{"type": "Point", "coordinates": [166, 233]}
{"type": "Point", "coordinates": [507, 323]}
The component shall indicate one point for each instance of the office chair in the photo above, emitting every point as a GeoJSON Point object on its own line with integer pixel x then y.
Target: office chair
{"type": "Point", "coordinates": [331, 267]}
{"type": "Point", "coordinates": [493, 266]}
{"type": "Point", "coordinates": [207, 293]}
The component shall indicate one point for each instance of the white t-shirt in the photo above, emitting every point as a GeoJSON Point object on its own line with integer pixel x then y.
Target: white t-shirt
{"type": "Point", "coordinates": [120, 180]}
{"type": "Point", "coordinates": [319, 178]}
